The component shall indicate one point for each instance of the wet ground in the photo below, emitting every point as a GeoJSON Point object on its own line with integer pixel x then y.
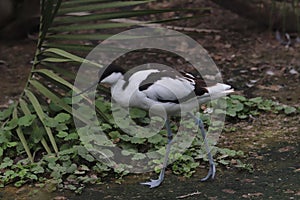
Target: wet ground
{"type": "Point", "coordinates": [255, 64]}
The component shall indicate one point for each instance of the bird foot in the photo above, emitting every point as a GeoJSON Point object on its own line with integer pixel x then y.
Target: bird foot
{"type": "Point", "coordinates": [153, 183]}
{"type": "Point", "coordinates": [211, 173]}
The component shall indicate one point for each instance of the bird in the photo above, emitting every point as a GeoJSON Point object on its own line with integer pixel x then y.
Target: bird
{"type": "Point", "coordinates": [164, 89]}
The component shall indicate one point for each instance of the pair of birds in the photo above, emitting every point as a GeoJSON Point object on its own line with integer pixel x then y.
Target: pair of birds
{"type": "Point", "coordinates": [164, 89]}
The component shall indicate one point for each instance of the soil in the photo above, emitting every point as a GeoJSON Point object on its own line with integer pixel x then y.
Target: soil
{"type": "Point", "coordinates": [15, 66]}
{"type": "Point", "coordinates": [255, 64]}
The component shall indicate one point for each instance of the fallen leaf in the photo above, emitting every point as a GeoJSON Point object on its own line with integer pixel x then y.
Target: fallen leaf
{"type": "Point", "coordinates": [227, 46]}
{"type": "Point", "coordinates": [249, 195]}
{"type": "Point", "coordinates": [297, 170]}
{"type": "Point", "coordinates": [60, 198]}
{"type": "Point", "coordinates": [233, 162]}
{"type": "Point", "coordinates": [272, 87]}
{"type": "Point", "coordinates": [246, 180]}
{"type": "Point", "coordinates": [270, 73]}
{"type": "Point", "coordinates": [229, 191]}
{"type": "Point", "coordinates": [288, 191]}
{"type": "Point", "coordinates": [285, 149]}
{"type": "Point", "coordinates": [21, 190]}
{"type": "Point", "coordinates": [293, 71]}
{"type": "Point", "coordinates": [212, 198]}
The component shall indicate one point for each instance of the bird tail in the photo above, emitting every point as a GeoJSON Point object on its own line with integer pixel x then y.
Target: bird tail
{"type": "Point", "coordinates": [219, 88]}
{"type": "Point", "coordinates": [215, 92]}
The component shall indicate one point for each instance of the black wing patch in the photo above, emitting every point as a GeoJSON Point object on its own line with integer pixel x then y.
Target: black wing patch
{"type": "Point", "coordinates": [199, 84]}
{"type": "Point", "coordinates": [156, 76]}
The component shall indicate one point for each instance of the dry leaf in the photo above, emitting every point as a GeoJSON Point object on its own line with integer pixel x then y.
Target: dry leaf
{"type": "Point", "coordinates": [229, 191]}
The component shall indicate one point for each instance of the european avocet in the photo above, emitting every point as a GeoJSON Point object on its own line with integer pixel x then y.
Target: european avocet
{"type": "Point", "coordinates": [162, 89]}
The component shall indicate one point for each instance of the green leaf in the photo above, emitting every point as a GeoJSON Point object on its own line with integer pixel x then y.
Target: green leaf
{"type": "Point", "coordinates": [109, 15]}
{"type": "Point", "coordinates": [68, 47]}
{"type": "Point", "coordinates": [54, 76]}
{"type": "Point", "coordinates": [102, 105]}
{"type": "Point", "coordinates": [57, 60]}
{"type": "Point", "coordinates": [6, 112]}
{"type": "Point", "coordinates": [136, 113]}
{"type": "Point", "coordinates": [76, 2]}
{"type": "Point", "coordinates": [242, 116]}
{"type": "Point", "coordinates": [114, 135]}
{"type": "Point", "coordinates": [156, 139]}
{"type": "Point", "coordinates": [5, 136]}
{"type": "Point", "coordinates": [38, 134]}
{"type": "Point", "coordinates": [50, 122]}
{"type": "Point", "coordinates": [71, 56]}
{"type": "Point", "coordinates": [106, 126]}
{"type": "Point", "coordinates": [19, 130]}
{"type": "Point", "coordinates": [224, 162]}
{"type": "Point", "coordinates": [89, 37]}
{"type": "Point", "coordinates": [72, 168]}
{"type": "Point", "coordinates": [82, 151]}
{"type": "Point", "coordinates": [26, 120]}
{"type": "Point", "coordinates": [138, 156]}
{"type": "Point", "coordinates": [126, 152]}
{"type": "Point", "coordinates": [71, 136]}
{"type": "Point", "coordinates": [6, 162]}
{"type": "Point", "coordinates": [62, 134]}
{"type": "Point", "coordinates": [54, 107]}
{"type": "Point", "coordinates": [61, 127]}
{"type": "Point", "coordinates": [238, 97]}
{"type": "Point", "coordinates": [136, 140]}
{"type": "Point", "coordinates": [231, 112]}
{"type": "Point", "coordinates": [12, 144]}
{"type": "Point", "coordinates": [289, 110]}
{"type": "Point", "coordinates": [55, 99]}
{"type": "Point", "coordinates": [266, 105]}
{"type": "Point", "coordinates": [62, 117]}
{"type": "Point", "coordinates": [89, 158]}
{"type": "Point", "coordinates": [41, 116]}
{"type": "Point", "coordinates": [256, 100]}
{"type": "Point", "coordinates": [37, 169]}
{"type": "Point", "coordinates": [45, 91]}
{"type": "Point", "coordinates": [77, 27]}
{"type": "Point", "coordinates": [125, 138]}
{"type": "Point", "coordinates": [238, 107]}
{"type": "Point", "coordinates": [279, 107]}
{"type": "Point", "coordinates": [96, 7]}
{"type": "Point", "coordinates": [11, 124]}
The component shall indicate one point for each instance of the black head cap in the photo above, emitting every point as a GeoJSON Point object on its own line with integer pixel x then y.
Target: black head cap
{"type": "Point", "coordinates": [109, 70]}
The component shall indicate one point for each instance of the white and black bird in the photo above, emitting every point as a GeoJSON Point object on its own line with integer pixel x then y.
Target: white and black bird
{"type": "Point", "coordinates": [162, 89]}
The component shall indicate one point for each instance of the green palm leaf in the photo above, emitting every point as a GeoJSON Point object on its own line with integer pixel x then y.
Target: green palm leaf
{"type": "Point", "coordinates": [66, 31]}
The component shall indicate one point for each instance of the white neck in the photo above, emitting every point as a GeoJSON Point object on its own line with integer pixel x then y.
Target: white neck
{"type": "Point", "coordinates": [113, 78]}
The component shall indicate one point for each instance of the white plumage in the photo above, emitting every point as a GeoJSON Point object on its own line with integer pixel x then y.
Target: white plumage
{"type": "Point", "coordinates": [169, 91]}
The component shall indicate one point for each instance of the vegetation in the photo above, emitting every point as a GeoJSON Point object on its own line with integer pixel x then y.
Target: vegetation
{"type": "Point", "coordinates": [74, 166]}
{"type": "Point", "coordinates": [38, 139]}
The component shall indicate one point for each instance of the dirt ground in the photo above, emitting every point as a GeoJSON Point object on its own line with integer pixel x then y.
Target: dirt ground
{"type": "Point", "coordinates": [255, 64]}
{"type": "Point", "coordinates": [15, 57]}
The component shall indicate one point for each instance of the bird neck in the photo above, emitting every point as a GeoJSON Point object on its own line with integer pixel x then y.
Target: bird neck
{"type": "Point", "coordinates": [112, 78]}
{"type": "Point", "coordinates": [111, 74]}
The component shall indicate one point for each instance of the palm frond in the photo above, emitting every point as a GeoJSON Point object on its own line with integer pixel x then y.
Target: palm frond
{"type": "Point", "coordinates": [68, 31]}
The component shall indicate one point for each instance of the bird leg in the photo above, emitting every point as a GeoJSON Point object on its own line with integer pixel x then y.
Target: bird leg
{"type": "Point", "coordinates": [157, 182]}
{"type": "Point", "coordinates": [212, 167]}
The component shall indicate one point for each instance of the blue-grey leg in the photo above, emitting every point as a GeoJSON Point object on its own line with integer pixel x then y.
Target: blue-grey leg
{"type": "Point", "coordinates": [157, 182]}
{"type": "Point", "coordinates": [212, 167]}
